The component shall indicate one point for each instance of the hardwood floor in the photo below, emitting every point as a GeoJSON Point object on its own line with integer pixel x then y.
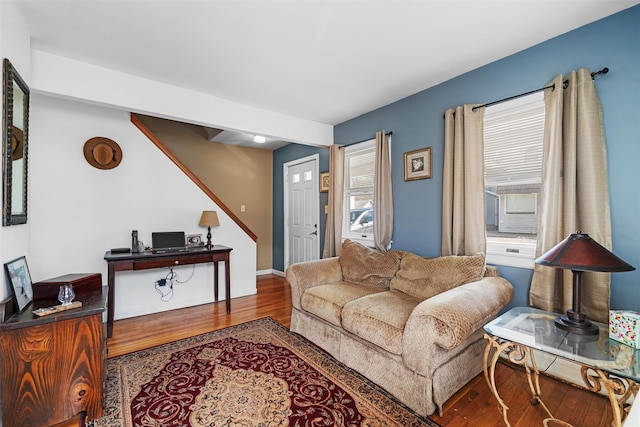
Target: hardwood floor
{"type": "Point", "coordinates": [136, 333]}
{"type": "Point", "coordinates": [473, 406]}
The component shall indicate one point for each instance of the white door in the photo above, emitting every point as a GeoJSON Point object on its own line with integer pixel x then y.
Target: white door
{"type": "Point", "coordinates": [301, 210]}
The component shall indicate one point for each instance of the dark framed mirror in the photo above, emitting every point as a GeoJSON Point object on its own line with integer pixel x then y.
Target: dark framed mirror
{"type": "Point", "coordinates": [15, 126]}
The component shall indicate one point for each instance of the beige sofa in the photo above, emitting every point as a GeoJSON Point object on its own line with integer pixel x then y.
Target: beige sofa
{"type": "Point", "coordinates": [412, 325]}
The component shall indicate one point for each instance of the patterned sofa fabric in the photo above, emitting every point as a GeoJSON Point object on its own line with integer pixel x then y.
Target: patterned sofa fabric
{"type": "Point", "coordinates": [426, 277]}
{"type": "Point", "coordinates": [411, 324]}
{"type": "Point", "coordinates": [380, 318]}
{"type": "Point", "coordinates": [368, 267]}
{"type": "Point", "coordinates": [328, 301]}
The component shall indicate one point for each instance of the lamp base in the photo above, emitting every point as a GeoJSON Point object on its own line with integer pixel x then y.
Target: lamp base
{"type": "Point", "coordinates": [576, 323]}
{"type": "Point", "coordinates": [209, 245]}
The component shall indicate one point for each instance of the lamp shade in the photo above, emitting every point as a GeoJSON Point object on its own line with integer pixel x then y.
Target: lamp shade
{"type": "Point", "coordinates": [579, 252]}
{"type": "Point", "coordinates": [209, 219]}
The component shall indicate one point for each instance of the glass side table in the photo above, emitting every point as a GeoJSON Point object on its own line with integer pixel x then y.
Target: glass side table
{"type": "Point", "coordinates": [604, 363]}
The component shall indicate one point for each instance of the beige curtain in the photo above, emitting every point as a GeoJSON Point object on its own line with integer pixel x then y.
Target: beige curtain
{"type": "Point", "coordinates": [463, 228]}
{"type": "Point", "coordinates": [333, 231]}
{"type": "Point", "coordinates": [382, 194]}
{"type": "Point", "coordinates": [575, 193]}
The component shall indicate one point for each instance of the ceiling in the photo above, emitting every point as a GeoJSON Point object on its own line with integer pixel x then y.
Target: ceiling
{"type": "Point", "coordinates": [323, 61]}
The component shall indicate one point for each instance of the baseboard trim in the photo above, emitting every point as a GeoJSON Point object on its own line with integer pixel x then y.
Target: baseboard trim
{"type": "Point", "coordinates": [271, 271]}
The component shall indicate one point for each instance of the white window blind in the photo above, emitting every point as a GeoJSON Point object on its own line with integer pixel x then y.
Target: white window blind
{"type": "Point", "coordinates": [358, 192]}
{"type": "Point", "coordinates": [513, 147]}
{"type": "Point", "coordinates": [360, 169]}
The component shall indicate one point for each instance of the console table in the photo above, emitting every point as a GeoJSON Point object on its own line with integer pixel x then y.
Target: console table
{"type": "Point", "coordinates": [604, 363]}
{"type": "Point", "coordinates": [146, 260]}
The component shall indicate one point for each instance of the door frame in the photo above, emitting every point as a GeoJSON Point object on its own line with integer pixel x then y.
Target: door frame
{"type": "Point", "coordinates": [285, 171]}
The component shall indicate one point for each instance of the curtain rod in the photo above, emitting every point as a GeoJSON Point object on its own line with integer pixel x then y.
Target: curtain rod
{"type": "Point", "coordinates": [364, 140]}
{"type": "Point", "coordinates": [605, 70]}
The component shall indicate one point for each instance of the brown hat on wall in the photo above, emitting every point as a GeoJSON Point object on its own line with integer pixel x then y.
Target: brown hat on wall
{"type": "Point", "coordinates": [102, 153]}
{"type": "Point", "coordinates": [17, 143]}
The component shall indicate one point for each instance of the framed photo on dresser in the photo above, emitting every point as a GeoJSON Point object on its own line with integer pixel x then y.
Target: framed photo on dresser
{"type": "Point", "coordinates": [17, 272]}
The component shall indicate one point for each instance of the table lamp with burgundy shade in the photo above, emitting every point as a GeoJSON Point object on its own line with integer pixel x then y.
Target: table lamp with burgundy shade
{"type": "Point", "coordinates": [579, 253]}
{"type": "Point", "coordinates": [209, 219]}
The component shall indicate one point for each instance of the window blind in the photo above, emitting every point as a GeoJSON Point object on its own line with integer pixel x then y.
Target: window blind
{"type": "Point", "coordinates": [513, 145]}
{"type": "Point", "coordinates": [360, 166]}
{"type": "Point", "coordinates": [361, 169]}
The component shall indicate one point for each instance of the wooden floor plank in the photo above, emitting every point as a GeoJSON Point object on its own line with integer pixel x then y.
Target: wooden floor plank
{"type": "Point", "coordinates": [473, 406]}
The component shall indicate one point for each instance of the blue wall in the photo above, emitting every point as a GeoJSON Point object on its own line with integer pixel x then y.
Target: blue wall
{"type": "Point", "coordinates": [417, 121]}
{"type": "Point", "coordinates": [280, 157]}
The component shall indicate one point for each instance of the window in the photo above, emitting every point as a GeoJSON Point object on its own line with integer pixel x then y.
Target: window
{"type": "Point", "coordinates": [359, 170]}
{"type": "Point", "coordinates": [520, 204]}
{"type": "Point", "coordinates": [513, 137]}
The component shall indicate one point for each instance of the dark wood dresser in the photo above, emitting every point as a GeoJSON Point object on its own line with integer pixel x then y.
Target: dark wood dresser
{"type": "Point", "coordinates": [52, 367]}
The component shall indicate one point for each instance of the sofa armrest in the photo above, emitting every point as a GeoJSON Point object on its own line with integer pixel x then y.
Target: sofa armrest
{"type": "Point", "coordinates": [447, 319]}
{"type": "Point", "coordinates": [305, 275]}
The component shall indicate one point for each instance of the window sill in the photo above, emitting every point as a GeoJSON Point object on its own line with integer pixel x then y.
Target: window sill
{"type": "Point", "coordinates": [511, 254]}
{"type": "Point", "coordinates": [510, 261]}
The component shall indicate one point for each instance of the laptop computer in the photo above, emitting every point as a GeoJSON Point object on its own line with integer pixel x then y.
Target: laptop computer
{"type": "Point", "coordinates": [168, 241]}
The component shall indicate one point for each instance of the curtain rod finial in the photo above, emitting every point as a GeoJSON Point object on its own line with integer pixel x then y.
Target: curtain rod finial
{"type": "Point", "coordinates": [605, 70]}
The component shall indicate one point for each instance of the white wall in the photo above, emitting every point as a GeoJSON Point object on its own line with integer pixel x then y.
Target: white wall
{"type": "Point", "coordinates": [14, 45]}
{"type": "Point", "coordinates": [63, 77]}
{"type": "Point", "coordinates": [78, 212]}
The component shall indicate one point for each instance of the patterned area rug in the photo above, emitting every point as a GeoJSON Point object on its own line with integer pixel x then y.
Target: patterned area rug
{"type": "Point", "coordinates": [254, 374]}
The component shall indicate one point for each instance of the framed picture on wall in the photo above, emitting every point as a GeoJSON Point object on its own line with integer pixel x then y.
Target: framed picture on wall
{"type": "Point", "coordinates": [324, 182]}
{"type": "Point", "coordinates": [18, 275]}
{"type": "Point", "coordinates": [417, 164]}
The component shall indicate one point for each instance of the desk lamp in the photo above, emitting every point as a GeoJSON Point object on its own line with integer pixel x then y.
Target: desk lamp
{"type": "Point", "coordinates": [579, 252]}
{"type": "Point", "coordinates": [209, 219]}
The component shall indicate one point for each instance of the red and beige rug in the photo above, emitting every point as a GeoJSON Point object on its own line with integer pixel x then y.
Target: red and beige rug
{"type": "Point", "coordinates": [254, 374]}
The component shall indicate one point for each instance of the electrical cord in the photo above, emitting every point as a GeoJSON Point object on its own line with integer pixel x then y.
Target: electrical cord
{"type": "Point", "coordinates": [193, 270]}
{"type": "Point", "coordinates": [166, 283]}
{"type": "Point", "coordinates": [164, 297]}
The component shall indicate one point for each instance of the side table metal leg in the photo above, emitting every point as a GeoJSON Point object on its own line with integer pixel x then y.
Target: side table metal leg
{"type": "Point", "coordinates": [533, 377]}
{"type": "Point", "coordinates": [518, 355]}
{"type": "Point", "coordinates": [619, 390]}
{"type": "Point", "coordinates": [490, 371]}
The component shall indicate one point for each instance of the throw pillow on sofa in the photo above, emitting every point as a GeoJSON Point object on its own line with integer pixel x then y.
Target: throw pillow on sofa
{"type": "Point", "coordinates": [366, 266]}
{"type": "Point", "coordinates": [425, 277]}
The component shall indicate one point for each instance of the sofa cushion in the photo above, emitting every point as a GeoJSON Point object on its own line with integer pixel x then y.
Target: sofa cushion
{"type": "Point", "coordinates": [366, 266]}
{"type": "Point", "coordinates": [380, 318]}
{"type": "Point", "coordinates": [327, 301]}
{"type": "Point", "coordinates": [425, 277]}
